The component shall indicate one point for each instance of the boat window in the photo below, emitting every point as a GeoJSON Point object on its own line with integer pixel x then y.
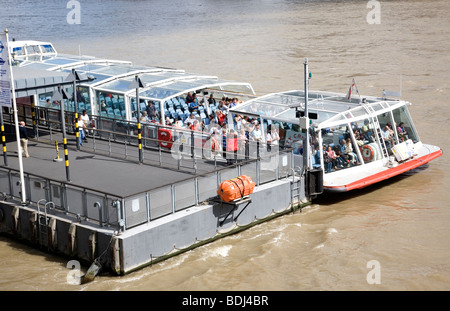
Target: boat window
{"type": "Point", "coordinates": [385, 119]}
{"type": "Point", "coordinates": [290, 136]}
{"type": "Point", "coordinates": [69, 103]}
{"type": "Point", "coordinates": [18, 51]}
{"type": "Point", "coordinates": [142, 107]}
{"type": "Point", "coordinates": [404, 126]}
{"type": "Point", "coordinates": [34, 58]}
{"type": "Point", "coordinates": [47, 48]}
{"type": "Point", "coordinates": [32, 49]}
{"type": "Point", "coordinates": [364, 135]}
{"type": "Point", "coordinates": [111, 105]}
{"type": "Point", "coordinates": [83, 100]}
{"type": "Point", "coordinates": [43, 100]}
{"type": "Point", "coordinates": [353, 145]}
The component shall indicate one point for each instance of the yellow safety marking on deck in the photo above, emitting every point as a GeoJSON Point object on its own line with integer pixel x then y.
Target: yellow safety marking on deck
{"type": "Point", "coordinates": [65, 140]}
{"type": "Point", "coordinates": [139, 126]}
{"type": "Point", "coordinates": [3, 139]}
{"type": "Point", "coordinates": [77, 134]}
{"type": "Point", "coordinates": [67, 162]}
{"type": "Point", "coordinates": [66, 152]}
{"type": "Point", "coordinates": [4, 148]}
{"type": "Point", "coordinates": [139, 136]}
{"type": "Point", "coordinates": [140, 146]}
{"type": "Point", "coordinates": [3, 128]}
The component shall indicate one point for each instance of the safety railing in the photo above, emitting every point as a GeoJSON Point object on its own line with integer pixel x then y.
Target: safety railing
{"type": "Point", "coordinates": [190, 150]}
{"type": "Point", "coordinates": [165, 200]}
{"type": "Point", "coordinates": [106, 209]}
{"type": "Point", "coordinates": [77, 202]}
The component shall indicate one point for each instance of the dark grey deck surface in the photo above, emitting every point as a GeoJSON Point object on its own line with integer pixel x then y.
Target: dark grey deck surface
{"type": "Point", "coordinates": [100, 172]}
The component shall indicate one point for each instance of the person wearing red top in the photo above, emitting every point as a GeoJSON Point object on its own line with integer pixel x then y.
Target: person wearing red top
{"type": "Point", "coordinates": [220, 117]}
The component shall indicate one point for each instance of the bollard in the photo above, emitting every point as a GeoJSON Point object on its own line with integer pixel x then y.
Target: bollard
{"type": "Point", "coordinates": [77, 131]}
{"type": "Point", "coordinates": [58, 159]}
{"type": "Point", "coordinates": [2, 128]}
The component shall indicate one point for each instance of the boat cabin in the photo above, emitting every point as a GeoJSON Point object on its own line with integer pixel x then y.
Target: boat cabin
{"type": "Point", "coordinates": [108, 91]}
{"type": "Point", "coordinates": [352, 138]}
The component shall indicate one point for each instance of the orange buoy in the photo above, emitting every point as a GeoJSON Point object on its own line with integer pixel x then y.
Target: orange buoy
{"type": "Point", "coordinates": [236, 188]}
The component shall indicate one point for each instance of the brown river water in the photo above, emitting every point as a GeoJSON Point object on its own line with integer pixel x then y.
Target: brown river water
{"type": "Point", "coordinates": [401, 224]}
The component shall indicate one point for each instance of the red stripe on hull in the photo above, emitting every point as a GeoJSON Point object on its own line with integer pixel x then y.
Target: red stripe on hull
{"type": "Point", "coordinates": [399, 169]}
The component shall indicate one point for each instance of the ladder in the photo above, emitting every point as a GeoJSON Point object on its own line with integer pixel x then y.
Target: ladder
{"type": "Point", "coordinates": [43, 225]}
{"type": "Point", "coordinates": [295, 187]}
{"type": "Point", "coordinates": [377, 129]}
{"type": "Point", "coordinates": [380, 137]}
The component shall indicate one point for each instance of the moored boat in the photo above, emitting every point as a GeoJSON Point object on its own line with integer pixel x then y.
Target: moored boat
{"type": "Point", "coordinates": [355, 141]}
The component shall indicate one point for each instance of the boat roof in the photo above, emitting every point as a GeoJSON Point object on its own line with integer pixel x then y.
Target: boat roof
{"type": "Point", "coordinates": [116, 76]}
{"type": "Point", "coordinates": [331, 108]}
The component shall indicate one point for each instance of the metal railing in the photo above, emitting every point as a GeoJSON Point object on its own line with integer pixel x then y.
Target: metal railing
{"type": "Point", "coordinates": [72, 200]}
{"type": "Point", "coordinates": [146, 206]}
{"type": "Point", "coordinates": [106, 209]}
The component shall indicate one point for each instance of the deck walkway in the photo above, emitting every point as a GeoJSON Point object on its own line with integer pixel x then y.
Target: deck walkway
{"type": "Point", "coordinates": [92, 170]}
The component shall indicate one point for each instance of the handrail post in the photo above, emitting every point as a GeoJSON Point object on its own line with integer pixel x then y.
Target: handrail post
{"type": "Point", "coordinates": [197, 196]}
{"type": "Point", "coordinates": [172, 194]}
{"type": "Point", "coordinates": [120, 221]}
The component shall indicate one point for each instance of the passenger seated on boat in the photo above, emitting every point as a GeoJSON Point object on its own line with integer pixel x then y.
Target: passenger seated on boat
{"type": "Point", "coordinates": [189, 98]}
{"type": "Point", "coordinates": [387, 136]}
{"type": "Point", "coordinates": [193, 107]}
{"type": "Point", "coordinates": [342, 154]}
{"type": "Point", "coordinates": [226, 105]}
{"type": "Point", "coordinates": [328, 164]}
{"type": "Point", "coordinates": [144, 117]}
{"type": "Point", "coordinates": [402, 134]}
{"type": "Point", "coordinates": [211, 100]}
{"type": "Point", "coordinates": [213, 119]}
{"type": "Point", "coordinates": [102, 106]}
{"type": "Point", "coordinates": [221, 117]}
{"type": "Point", "coordinates": [349, 151]}
{"type": "Point", "coordinates": [191, 119]}
{"type": "Point", "coordinates": [359, 138]}
{"type": "Point", "coordinates": [233, 102]}
{"type": "Point", "coordinates": [330, 157]}
{"type": "Point", "coordinates": [366, 131]}
{"type": "Point", "coordinates": [340, 157]}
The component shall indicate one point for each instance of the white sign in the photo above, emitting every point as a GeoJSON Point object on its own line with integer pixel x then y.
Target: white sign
{"type": "Point", "coordinates": [5, 80]}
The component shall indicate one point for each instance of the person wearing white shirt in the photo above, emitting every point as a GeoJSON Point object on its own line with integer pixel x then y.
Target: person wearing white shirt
{"type": "Point", "coordinates": [256, 133]}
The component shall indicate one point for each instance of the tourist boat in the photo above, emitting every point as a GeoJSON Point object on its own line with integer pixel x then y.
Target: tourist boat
{"type": "Point", "coordinates": [337, 117]}
{"type": "Point", "coordinates": [107, 90]}
{"type": "Point", "coordinates": [332, 117]}
{"type": "Point", "coordinates": [130, 228]}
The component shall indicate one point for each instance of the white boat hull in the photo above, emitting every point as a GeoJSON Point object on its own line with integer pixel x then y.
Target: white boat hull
{"type": "Point", "coordinates": [361, 176]}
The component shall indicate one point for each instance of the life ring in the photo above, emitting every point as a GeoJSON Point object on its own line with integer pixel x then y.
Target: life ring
{"type": "Point", "coordinates": [165, 138]}
{"type": "Point", "coordinates": [368, 153]}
